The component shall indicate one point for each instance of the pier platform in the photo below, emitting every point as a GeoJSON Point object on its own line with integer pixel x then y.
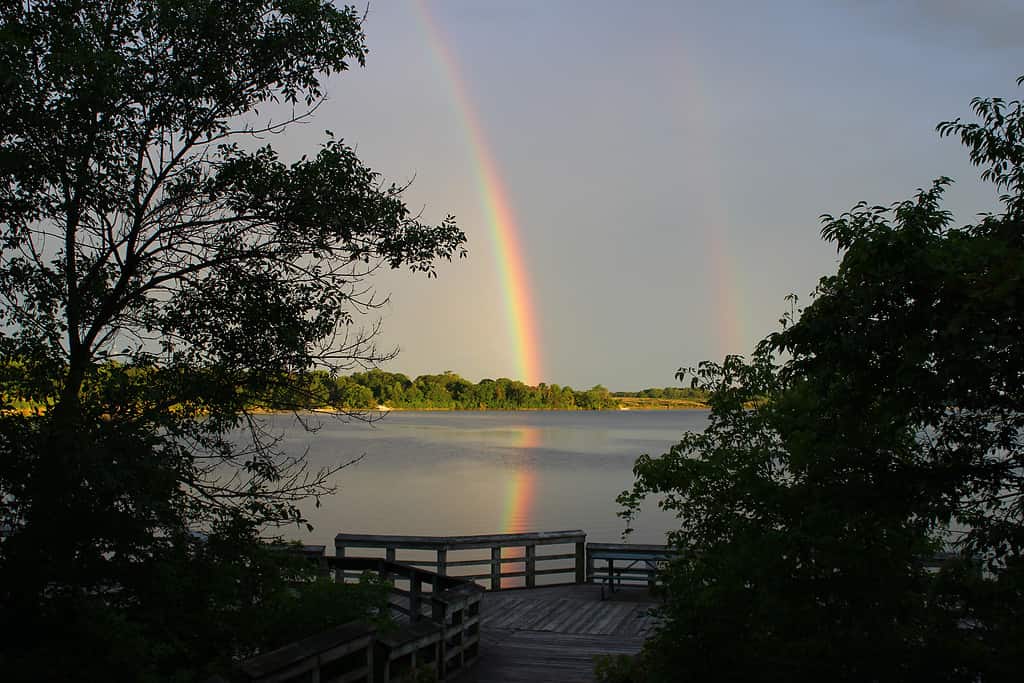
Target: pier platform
{"type": "Point", "coordinates": [469, 609]}
{"type": "Point", "coordinates": [553, 633]}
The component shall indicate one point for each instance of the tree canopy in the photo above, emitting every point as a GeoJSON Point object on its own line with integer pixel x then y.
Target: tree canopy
{"type": "Point", "coordinates": [882, 424]}
{"type": "Point", "coordinates": [158, 261]}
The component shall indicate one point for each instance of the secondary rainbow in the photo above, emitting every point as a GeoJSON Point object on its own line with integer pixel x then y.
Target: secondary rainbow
{"type": "Point", "coordinates": [519, 310]}
{"type": "Point", "coordinates": [729, 311]}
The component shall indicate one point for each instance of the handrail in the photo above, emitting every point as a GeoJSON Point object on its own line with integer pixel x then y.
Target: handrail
{"type": "Point", "coordinates": [445, 636]}
{"type": "Point", "coordinates": [495, 573]}
{"type": "Point", "coordinates": [304, 658]}
{"type": "Point", "coordinates": [641, 564]}
{"type": "Point", "coordinates": [443, 589]}
{"type": "Point", "coordinates": [632, 547]}
{"type": "Point", "coordinates": [460, 542]}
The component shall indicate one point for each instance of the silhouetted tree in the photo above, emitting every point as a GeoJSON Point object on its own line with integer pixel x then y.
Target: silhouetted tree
{"type": "Point", "coordinates": [893, 430]}
{"type": "Point", "coordinates": [141, 224]}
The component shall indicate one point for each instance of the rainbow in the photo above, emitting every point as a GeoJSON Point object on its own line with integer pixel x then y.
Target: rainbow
{"type": "Point", "coordinates": [729, 327]}
{"type": "Point", "coordinates": [519, 312]}
{"type": "Point", "coordinates": [726, 278]}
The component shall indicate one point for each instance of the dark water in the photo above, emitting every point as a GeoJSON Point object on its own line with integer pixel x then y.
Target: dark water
{"type": "Point", "coordinates": [445, 473]}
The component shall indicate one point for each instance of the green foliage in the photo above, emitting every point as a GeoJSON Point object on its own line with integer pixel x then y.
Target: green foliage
{"type": "Point", "coordinates": [678, 393]}
{"type": "Point", "coordinates": [361, 391]}
{"type": "Point", "coordinates": [449, 391]}
{"type": "Point", "coordinates": [619, 669]}
{"type": "Point", "coordinates": [199, 605]}
{"type": "Point", "coordinates": [894, 429]}
{"type": "Point", "coordinates": [446, 391]}
{"type": "Point", "coordinates": [158, 280]}
{"type": "Point", "coordinates": [313, 607]}
{"type": "Point", "coordinates": [154, 268]}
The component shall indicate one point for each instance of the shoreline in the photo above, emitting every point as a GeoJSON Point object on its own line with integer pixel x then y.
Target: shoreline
{"type": "Point", "coordinates": [29, 412]}
{"type": "Point", "coordinates": [632, 406]}
{"type": "Point", "coordinates": [389, 409]}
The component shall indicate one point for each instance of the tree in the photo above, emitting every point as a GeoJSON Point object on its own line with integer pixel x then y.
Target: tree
{"type": "Point", "coordinates": [158, 270]}
{"type": "Point", "coordinates": [595, 398]}
{"type": "Point", "coordinates": [355, 396]}
{"type": "Point", "coordinates": [811, 503]}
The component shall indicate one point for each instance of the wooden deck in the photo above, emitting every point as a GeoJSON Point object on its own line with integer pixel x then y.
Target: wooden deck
{"type": "Point", "coordinates": [554, 633]}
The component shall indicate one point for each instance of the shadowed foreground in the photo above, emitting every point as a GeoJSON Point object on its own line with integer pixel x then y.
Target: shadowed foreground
{"type": "Point", "coordinates": [554, 633]}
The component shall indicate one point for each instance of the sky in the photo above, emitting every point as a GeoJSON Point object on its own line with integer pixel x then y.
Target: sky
{"type": "Point", "coordinates": [641, 183]}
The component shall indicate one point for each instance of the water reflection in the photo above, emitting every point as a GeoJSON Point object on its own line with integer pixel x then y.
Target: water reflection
{"type": "Point", "coordinates": [528, 437]}
{"type": "Point", "coordinates": [482, 473]}
{"type": "Point", "coordinates": [519, 497]}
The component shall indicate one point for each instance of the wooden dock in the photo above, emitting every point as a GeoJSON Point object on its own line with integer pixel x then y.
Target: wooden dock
{"type": "Point", "coordinates": [528, 632]}
{"type": "Point", "coordinates": [554, 633]}
{"type": "Point", "coordinates": [446, 620]}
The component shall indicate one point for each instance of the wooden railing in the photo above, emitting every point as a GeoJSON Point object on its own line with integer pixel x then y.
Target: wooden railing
{"type": "Point", "coordinates": [518, 550]}
{"type": "Point", "coordinates": [615, 565]}
{"type": "Point", "coordinates": [442, 631]}
{"type": "Point", "coordinates": [344, 654]}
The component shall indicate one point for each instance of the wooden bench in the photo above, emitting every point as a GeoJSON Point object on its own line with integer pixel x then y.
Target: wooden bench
{"type": "Point", "coordinates": [625, 564]}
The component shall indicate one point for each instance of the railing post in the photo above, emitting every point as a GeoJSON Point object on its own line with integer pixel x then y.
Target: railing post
{"type": "Point", "coordinates": [389, 556]}
{"type": "Point", "coordinates": [439, 612]}
{"type": "Point", "coordinates": [590, 567]}
{"type": "Point", "coordinates": [414, 598]}
{"type": "Point", "coordinates": [531, 565]}
{"type": "Point", "coordinates": [496, 568]}
{"type": "Point", "coordinates": [442, 561]}
{"type": "Point", "coordinates": [339, 572]}
{"type": "Point", "coordinates": [581, 566]}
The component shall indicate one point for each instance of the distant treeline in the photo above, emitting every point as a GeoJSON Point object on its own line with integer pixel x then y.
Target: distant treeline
{"type": "Point", "coordinates": [446, 391]}
{"type": "Point", "coordinates": [671, 393]}
{"type": "Point", "coordinates": [370, 390]}
{"type": "Point", "coordinates": [449, 391]}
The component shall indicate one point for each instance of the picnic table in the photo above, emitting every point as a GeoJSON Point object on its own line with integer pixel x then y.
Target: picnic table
{"type": "Point", "coordinates": [617, 564]}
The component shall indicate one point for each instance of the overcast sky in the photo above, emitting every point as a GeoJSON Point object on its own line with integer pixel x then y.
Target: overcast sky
{"type": "Point", "coordinates": [667, 161]}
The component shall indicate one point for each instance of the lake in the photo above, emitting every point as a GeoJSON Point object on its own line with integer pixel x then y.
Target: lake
{"type": "Point", "coordinates": [449, 473]}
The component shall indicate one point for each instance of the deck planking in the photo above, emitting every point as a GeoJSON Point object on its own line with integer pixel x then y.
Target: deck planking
{"type": "Point", "coordinates": [554, 633]}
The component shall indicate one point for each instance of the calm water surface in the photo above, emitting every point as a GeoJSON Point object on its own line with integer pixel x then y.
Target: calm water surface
{"type": "Point", "coordinates": [444, 473]}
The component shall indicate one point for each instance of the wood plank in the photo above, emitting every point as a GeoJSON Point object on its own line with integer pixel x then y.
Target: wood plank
{"type": "Point", "coordinates": [303, 654]}
{"type": "Point", "coordinates": [457, 542]}
{"type": "Point", "coordinates": [630, 547]}
{"type": "Point", "coordinates": [558, 556]}
{"type": "Point", "coordinates": [557, 570]}
{"type": "Point", "coordinates": [551, 633]}
{"type": "Point", "coordinates": [524, 656]}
